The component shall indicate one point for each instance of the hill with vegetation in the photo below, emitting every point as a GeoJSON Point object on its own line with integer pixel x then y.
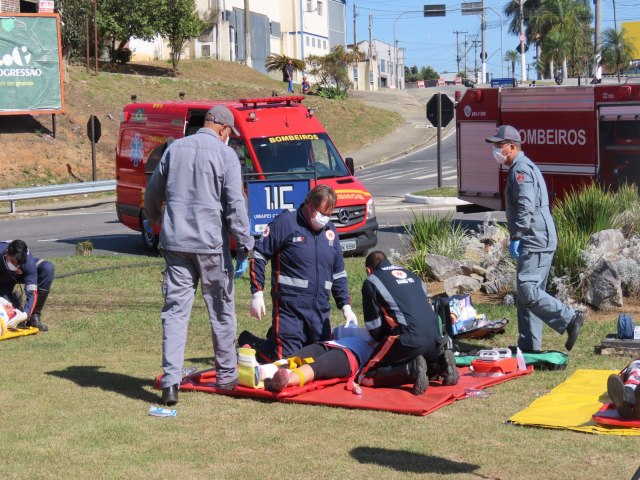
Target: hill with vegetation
{"type": "Point", "coordinates": [31, 156]}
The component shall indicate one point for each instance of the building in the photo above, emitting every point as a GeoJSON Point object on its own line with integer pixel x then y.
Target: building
{"type": "Point", "coordinates": [295, 28]}
{"type": "Point", "coordinates": [632, 29]}
{"type": "Point", "coordinates": [383, 66]}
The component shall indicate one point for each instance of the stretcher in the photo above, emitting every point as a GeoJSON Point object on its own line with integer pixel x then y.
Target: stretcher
{"type": "Point", "coordinates": [6, 334]}
{"type": "Point", "coordinates": [335, 393]}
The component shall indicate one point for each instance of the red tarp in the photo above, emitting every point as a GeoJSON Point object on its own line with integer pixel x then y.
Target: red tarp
{"type": "Point", "coordinates": [334, 392]}
{"type": "Point", "coordinates": [608, 415]}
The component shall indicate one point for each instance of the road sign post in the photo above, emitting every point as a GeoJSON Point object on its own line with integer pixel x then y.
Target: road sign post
{"type": "Point", "coordinates": [94, 131]}
{"type": "Point", "coordinates": [440, 111]}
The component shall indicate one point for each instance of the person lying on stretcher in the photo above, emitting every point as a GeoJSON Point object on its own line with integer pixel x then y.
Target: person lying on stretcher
{"type": "Point", "coordinates": [339, 358]}
{"type": "Point", "coordinates": [623, 391]}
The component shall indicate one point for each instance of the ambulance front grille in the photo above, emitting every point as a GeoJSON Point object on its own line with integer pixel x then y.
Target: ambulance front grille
{"type": "Point", "coordinates": [348, 216]}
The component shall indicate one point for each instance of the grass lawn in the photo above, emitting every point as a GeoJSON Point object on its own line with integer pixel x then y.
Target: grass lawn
{"type": "Point", "coordinates": [438, 192]}
{"type": "Point", "coordinates": [74, 403]}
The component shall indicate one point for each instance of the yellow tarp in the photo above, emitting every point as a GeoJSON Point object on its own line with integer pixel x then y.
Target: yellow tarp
{"type": "Point", "coordinates": [571, 405]}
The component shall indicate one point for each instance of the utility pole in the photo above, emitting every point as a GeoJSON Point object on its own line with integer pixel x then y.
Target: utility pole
{"type": "Point", "coordinates": [370, 41]}
{"type": "Point", "coordinates": [247, 34]}
{"type": "Point", "coordinates": [458, 58]}
{"type": "Point", "coordinates": [475, 59]}
{"type": "Point", "coordinates": [466, 50]}
{"type": "Point", "coordinates": [95, 32]}
{"type": "Point", "coordinates": [523, 62]}
{"type": "Point", "coordinates": [483, 28]}
{"type": "Point", "coordinates": [597, 42]}
{"type": "Point", "coordinates": [355, 48]}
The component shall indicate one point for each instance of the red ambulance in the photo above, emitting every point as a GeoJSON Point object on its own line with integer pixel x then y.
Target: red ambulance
{"type": "Point", "coordinates": [575, 135]}
{"type": "Point", "coordinates": [280, 140]}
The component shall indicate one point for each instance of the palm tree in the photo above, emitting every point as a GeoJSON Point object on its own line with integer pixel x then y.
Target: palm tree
{"type": "Point", "coordinates": [571, 18]}
{"type": "Point", "coordinates": [275, 63]}
{"type": "Point", "coordinates": [556, 46]}
{"type": "Point", "coordinates": [512, 57]}
{"type": "Point", "coordinates": [617, 49]}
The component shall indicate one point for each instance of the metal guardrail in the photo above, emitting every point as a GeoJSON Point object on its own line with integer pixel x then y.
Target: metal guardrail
{"type": "Point", "coordinates": [14, 194]}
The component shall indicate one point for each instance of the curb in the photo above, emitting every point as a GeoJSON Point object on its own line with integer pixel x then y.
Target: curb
{"type": "Point", "coordinates": [435, 201]}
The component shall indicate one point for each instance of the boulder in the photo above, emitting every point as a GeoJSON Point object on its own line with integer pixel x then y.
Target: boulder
{"type": "Point", "coordinates": [440, 268]}
{"type": "Point", "coordinates": [460, 284]}
{"type": "Point", "coordinates": [609, 243]}
{"type": "Point", "coordinates": [605, 287]}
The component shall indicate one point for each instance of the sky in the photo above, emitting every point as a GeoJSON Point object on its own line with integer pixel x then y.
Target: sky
{"type": "Point", "coordinates": [432, 41]}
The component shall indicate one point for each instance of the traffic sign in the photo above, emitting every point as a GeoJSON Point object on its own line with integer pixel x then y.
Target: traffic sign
{"type": "Point", "coordinates": [94, 132]}
{"type": "Point", "coordinates": [446, 107]}
{"type": "Point", "coordinates": [522, 37]}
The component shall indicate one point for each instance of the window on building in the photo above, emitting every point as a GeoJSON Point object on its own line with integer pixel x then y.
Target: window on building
{"type": "Point", "coordinates": [313, 42]}
{"type": "Point", "coordinates": [355, 73]}
{"type": "Point", "coordinates": [371, 78]}
{"type": "Point", "coordinates": [274, 29]}
{"type": "Point", "coordinates": [307, 41]}
{"type": "Point", "coordinates": [205, 51]}
{"type": "Point", "coordinates": [324, 44]}
{"type": "Point", "coordinates": [383, 65]}
{"type": "Point", "coordinates": [319, 7]}
{"type": "Point", "coordinates": [309, 6]}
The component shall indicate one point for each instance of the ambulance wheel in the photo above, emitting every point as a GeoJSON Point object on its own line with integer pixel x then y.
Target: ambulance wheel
{"type": "Point", "coordinates": [149, 240]}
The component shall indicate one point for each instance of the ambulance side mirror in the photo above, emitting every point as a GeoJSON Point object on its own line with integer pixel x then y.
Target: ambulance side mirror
{"type": "Point", "coordinates": [349, 161]}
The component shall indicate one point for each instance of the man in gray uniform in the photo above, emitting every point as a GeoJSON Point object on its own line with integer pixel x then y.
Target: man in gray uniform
{"type": "Point", "coordinates": [199, 179]}
{"type": "Point", "coordinates": [533, 243]}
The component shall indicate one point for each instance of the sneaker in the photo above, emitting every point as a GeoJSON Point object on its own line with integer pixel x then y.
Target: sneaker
{"type": "Point", "coordinates": [229, 386]}
{"type": "Point", "coordinates": [448, 369]}
{"type": "Point", "coordinates": [419, 372]}
{"type": "Point", "coordinates": [573, 330]}
{"type": "Point", "coordinates": [279, 381]}
{"type": "Point", "coordinates": [620, 396]}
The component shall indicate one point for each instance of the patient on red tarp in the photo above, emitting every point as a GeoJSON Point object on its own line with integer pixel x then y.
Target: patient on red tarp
{"type": "Point", "coordinates": [623, 391]}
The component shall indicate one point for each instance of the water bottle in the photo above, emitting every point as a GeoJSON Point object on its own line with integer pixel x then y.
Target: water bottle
{"type": "Point", "coordinates": [520, 359]}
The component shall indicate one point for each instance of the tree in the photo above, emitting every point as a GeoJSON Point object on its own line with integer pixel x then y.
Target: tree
{"type": "Point", "coordinates": [429, 73]}
{"type": "Point", "coordinates": [276, 62]}
{"type": "Point", "coordinates": [556, 48]}
{"type": "Point", "coordinates": [330, 71]}
{"type": "Point", "coordinates": [512, 57]}
{"type": "Point", "coordinates": [617, 49]}
{"type": "Point", "coordinates": [180, 22]}
{"type": "Point", "coordinates": [119, 21]}
{"type": "Point", "coordinates": [73, 14]}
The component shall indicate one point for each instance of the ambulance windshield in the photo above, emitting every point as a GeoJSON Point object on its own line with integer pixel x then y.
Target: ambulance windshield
{"type": "Point", "coordinates": [299, 156]}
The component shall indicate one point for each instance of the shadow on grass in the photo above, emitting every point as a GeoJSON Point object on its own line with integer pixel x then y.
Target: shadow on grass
{"type": "Point", "coordinates": [404, 461]}
{"type": "Point", "coordinates": [91, 376]}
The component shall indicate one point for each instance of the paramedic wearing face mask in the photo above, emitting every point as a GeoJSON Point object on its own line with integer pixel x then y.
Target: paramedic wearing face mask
{"type": "Point", "coordinates": [306, 267]}
{"type": "Point", "coordinates": [199, 178]}
{"type": "Point", "coordinates": [532, 244]}
{"type": "Point", "coordinates": [18, 266]}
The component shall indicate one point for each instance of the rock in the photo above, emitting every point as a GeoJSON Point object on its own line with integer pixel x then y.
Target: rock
{"type": "Point", "coordinates": [460, 284]}
{"type": "Point", "coordinates": [440, 268]}
{"type": "Point", "coordinates": [609, 243]}
{"type": "Point", "coordinates": [474, 250]}
{"type": "Point", "coordinates": [492, 235]}
{"type": "Point", "coordinates": [605, 287]}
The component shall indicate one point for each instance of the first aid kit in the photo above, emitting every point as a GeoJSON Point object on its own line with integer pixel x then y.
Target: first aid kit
{"type": "Point", "coordinates": [494, 363]}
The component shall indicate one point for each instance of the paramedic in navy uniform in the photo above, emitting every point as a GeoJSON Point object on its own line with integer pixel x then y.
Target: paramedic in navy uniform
{"type": "Point", "coordinates": [306, 266]}
{"type": "Point", "coordinates": [200, 180]}
{"type": "Point", "coordinates": [532, 244]}
{"type": "Point", "coordinates": [397, 313]}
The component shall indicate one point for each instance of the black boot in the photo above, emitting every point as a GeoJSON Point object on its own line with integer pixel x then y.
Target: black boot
{"type": "Point", "coordinates": [414, 371]}
{"type": "Point", "coordinates": [34, 319]}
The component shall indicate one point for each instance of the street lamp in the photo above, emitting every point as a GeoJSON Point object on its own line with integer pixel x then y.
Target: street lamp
{"type": "Point", "coordinates": [395, 44]}
{"type": "Point", "coordinates": [501, 55]}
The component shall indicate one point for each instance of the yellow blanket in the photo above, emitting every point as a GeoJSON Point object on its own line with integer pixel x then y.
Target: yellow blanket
{"type": "Point", "coordinates": [571, 404]}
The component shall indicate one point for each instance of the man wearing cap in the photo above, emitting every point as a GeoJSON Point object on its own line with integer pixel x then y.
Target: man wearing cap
{"type": "Point", "coordinates": [532, 244]}
{"type": "Point", "coordinates": [199, 179]}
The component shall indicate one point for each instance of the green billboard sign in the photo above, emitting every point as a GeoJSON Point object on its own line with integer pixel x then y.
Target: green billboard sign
{"type": "Point", "coordinates": [30, 64]}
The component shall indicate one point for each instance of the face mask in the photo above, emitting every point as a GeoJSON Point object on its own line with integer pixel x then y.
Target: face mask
{"type": "Point", "coordinates": [497, 154]}
{"type": "Point", "coordinates": [10, 265]}
{"type": "Point", "coordinates": [319, 221]}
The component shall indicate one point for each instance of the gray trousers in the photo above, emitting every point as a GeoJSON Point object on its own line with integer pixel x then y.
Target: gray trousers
{"type": "Point", "coordinates": [534, 304]}
{"type": "Point", "coordinates": [184, 270]}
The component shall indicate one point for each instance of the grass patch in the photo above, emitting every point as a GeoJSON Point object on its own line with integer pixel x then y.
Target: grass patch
{"type": "Point", "coordinates": [75, 401]}
{"type": "Point", "coordinates": [438, 192]}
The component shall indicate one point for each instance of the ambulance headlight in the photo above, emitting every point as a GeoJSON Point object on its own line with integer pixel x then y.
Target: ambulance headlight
{"type": "Point", "coordinates": [371, 209]}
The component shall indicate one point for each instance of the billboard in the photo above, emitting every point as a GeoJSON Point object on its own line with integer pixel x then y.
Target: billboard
{"type": "Point", "coordinates": [30, 64]}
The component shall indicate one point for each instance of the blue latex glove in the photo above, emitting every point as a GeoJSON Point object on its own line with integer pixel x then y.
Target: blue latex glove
{"type": "Point", "coordinates": [241, 267]}
{"type": "Point", "coordinates": [514, 249]}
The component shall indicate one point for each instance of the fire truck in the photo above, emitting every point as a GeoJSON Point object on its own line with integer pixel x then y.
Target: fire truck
{"type": "Point", "coordinates": [575, 135]}
{"type": "Point", "coordinates": [282, 147]}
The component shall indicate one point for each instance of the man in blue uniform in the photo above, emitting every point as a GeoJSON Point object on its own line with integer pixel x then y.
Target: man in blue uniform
{"type": "Point", "coordinates": [20, 267]}
{"type": "Point", "coordinates": [533, 242]}
{"type": "Point", "coordinates": [398, 314]}
{"type": "Point", "coordinates": [306, 267]}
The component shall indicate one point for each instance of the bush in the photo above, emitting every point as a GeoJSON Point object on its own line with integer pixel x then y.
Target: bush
{"type": "Point", "coordinates": [84, 248]}
{"type": "Point", "coordinates": [332, 92]}
{"type": "Point", "coordinates": [123, 55]}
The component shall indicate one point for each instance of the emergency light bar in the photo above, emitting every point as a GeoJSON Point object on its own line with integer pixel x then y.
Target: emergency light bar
{"type": "Point", "coordinates": [271, 100]}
